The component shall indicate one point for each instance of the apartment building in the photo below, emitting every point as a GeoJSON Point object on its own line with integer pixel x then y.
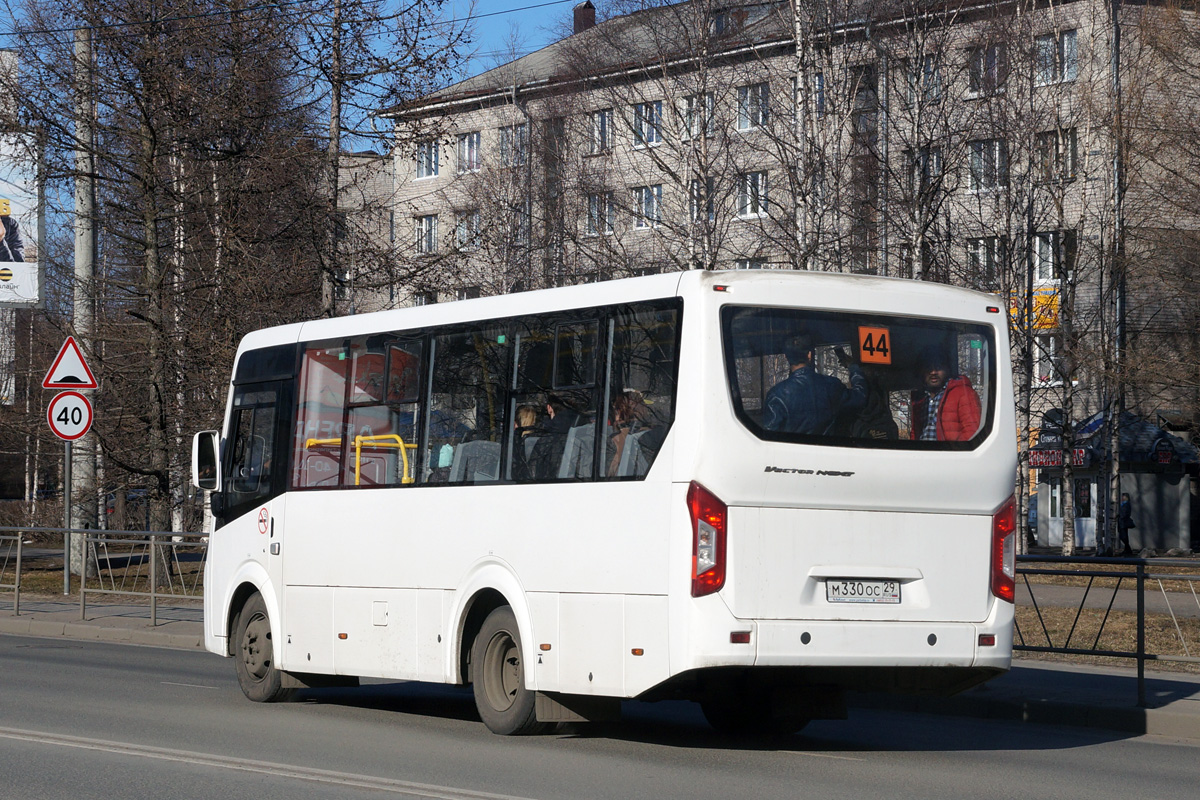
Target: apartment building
{"type": "Point", "coordinates": [975, 143]}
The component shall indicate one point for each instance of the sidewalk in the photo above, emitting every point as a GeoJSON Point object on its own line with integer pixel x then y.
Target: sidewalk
{"type": "Point", "coordinates": [1033, 691]}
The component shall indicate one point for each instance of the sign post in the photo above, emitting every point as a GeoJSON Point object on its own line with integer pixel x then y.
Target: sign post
{"type": "Point", "coordinates": [70, 417]}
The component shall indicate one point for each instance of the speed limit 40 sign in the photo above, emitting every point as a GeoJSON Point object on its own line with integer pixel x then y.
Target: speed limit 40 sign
{"type": "Point", "coordinates": [69, 415]}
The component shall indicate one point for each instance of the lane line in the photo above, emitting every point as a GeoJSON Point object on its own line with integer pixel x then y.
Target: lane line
{"type": "Point", "coordinates": [811, 754]}
{"type": "Point", "coordinates": [187, 685]}
{"type": "Point", "coordinates": [407, 788]}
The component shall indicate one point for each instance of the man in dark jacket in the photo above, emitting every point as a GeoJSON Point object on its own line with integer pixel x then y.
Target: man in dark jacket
{"type": "Point", "coordinates": [807, 401]}
{"type": "Point", "coordinates": [11, 246]}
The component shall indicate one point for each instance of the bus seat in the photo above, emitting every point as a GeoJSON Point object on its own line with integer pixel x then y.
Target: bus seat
{"type": "Point", "coordinates": [577, 456]}
{"type": "Point", "coordinates": [633, 458]}
{"type": "Point", "coordinates": [475, 461]}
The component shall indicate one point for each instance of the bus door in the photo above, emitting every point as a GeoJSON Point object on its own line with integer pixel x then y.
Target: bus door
{"type": "Point", "coordinates": [251, 520]}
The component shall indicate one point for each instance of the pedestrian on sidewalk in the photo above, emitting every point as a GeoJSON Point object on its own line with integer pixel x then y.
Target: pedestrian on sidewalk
{"type": "Point", "coordinates": [1124, 523]}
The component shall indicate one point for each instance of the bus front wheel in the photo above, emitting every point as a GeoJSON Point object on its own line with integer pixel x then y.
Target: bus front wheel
{"type": "Point", "coordinates": [254, 658]}
{"type": "Point", "coordinates": [498, 677]}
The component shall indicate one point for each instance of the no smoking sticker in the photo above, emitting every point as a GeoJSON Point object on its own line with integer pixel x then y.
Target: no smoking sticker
{"type": "Point", "coordinates": [263, 518]}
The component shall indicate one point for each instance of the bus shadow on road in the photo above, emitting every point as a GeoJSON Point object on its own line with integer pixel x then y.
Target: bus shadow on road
{"type": "Point", "coordinates": [681, 725]}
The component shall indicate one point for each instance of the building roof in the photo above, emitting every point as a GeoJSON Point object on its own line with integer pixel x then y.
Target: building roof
{"type": "Point", "coordinates": [652, 37]}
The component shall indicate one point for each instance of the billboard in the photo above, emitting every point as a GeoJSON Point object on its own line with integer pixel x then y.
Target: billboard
{"type": "Point", "coordinates": [20, 278]}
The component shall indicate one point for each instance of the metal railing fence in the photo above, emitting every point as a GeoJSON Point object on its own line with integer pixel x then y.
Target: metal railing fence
{"type": "Point", "coordinates": [1138, 572]}
{"type": "Point", "coordinates": [154, 565]}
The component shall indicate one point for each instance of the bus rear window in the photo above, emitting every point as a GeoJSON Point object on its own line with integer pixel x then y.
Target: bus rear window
{"type": "Point", "coordinates": [861, 380]}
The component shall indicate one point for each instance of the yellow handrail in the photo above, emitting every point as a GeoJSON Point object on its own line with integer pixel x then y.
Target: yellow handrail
{"type": "Point", "coordinates": [379, 440]}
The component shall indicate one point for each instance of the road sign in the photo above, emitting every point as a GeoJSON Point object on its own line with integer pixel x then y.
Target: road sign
{"type": "Point", "coordinates": [70, 371]}
{"type": "Point", "coordinates": [69, 415]}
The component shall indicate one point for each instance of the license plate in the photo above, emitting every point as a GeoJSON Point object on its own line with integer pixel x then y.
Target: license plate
{"type": "Point", "coordinates": [853, 590]}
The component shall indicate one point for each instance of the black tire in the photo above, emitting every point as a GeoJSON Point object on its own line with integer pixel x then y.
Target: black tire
{"type": "Point", "coordinates": [748, 716]}
{"type": "Point", "coordinates": [254, 654]}
{"type": "Point", "coordinates": [498, 677]}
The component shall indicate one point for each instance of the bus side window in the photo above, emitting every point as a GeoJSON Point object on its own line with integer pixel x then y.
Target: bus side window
{"type": "Point", "coordinates": [467, 405]}
{"type": "Point", "coordinates": [641, 391]}
{"type": "Point", "coordinates": [317, 440]}
{"type": "Point", "coordinates": [253, 443]}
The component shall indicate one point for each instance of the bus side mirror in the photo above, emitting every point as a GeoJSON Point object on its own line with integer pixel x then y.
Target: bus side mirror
{"type": "Point", "coordinates": [205, 462]}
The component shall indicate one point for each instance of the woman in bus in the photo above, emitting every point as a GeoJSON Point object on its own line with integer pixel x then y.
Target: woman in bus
{"type": "Point", "coordinates": [631, 414]}
{"type": "Point", "coordinates": [527, 433]}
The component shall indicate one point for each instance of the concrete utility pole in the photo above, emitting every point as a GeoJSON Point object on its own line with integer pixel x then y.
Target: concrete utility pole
{"type": "Point", "coordinates": [80, 512]}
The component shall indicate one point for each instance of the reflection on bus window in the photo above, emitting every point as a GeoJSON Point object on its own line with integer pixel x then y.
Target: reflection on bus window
{"type": "Point", "coordinates": [382, 415]}
{"type": "Point", "coordinates": [317, 442]}
{"type": "Point", "coordinates": [466, 407]}
{"type": "Point", "coordinates": [641, 388]}
{"type": "Point", "coordinates": [253, 444]}
{"type": "Point", "coordinates": [855, 379]}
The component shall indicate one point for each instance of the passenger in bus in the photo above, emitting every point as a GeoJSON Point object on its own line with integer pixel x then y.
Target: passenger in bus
{"type": "Point", "coordinates": [631, 414]}
{"type": "Point", "coordinates": [526, 435]}
{"type": "Point", "coordinates": [548, 452]}
{"type": "Point", "coordinates": [874, 420]}
{"type": "Point", "coordinates": [946, 408]}
{"type": "Point", "coordinates": [807, 401]}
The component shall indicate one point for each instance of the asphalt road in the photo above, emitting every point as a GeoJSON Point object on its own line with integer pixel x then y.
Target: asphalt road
{"type": "Point", "coordinates": [90, 720]}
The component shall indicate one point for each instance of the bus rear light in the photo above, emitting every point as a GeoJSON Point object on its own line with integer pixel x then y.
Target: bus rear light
{"type": "Point", "coordinates": [739, 637]}
{"type": "Point", "coordinates": [708, 540]}
{"type": "Point", "coordinates": [987, 640]}
{"type": "Point", "coordinates": [1004, 559]}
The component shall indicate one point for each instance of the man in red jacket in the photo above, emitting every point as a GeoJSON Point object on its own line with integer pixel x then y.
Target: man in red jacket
{"type": "Point", "coordinates": [948, 408]}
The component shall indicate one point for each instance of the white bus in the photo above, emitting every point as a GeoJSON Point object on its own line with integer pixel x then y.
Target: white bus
{"type": "Point", "coordinates": [572, 496]}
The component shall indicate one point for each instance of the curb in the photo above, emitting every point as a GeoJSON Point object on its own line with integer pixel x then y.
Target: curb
{"type": "Point", "coordinates": [143, 634]}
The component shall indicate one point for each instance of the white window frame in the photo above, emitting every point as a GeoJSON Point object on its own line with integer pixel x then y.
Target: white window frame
{"type": "Point", "coordinates": [1046, 352]}
{"type": "Point", "coordinates": [1056, 155]}
{"type": "Point", "coordinates": [469, 152]}
{"type": "Point", "coordinates": [1047, 253]}
{"type": "Point", "coordinates": [988, 167]}
{"type": "Point", "coordinates": [752, 198]}
{"type": "Point", "coordinates": [927, 167]}
{"type": "Point", "coordinates": [514, 144]}
{"type": "Point", "coordinates": [750, 262]}
{"type": "Point", "coordinates": [987, 68]}
{"type": "Point", "coordinates": [754, 106]}
{"type": "Point", "coordinates": [468, 226]}
{"type": "Point", "coordinates": [601, 214]}
{"type": "Point", "coordinates": [648, 206]}
{"type": "Point", "coordinates": [985, 256]}
{"type": "Point", "coordinates": [427, 234]}
{"type": "Point", "coordinates": [697, 114]}
{"type": "Point", "coordinates": [647, 124]}
{"type": "Point", "coordinates": [602, 130]}
{"type": "Point", "coordinates": [1056, 58]}
{"type": "Point", "coordinates": [426, 159]}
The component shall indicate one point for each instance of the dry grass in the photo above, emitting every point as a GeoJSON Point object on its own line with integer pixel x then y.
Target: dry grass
{"type": "Point", "coordinates": [1119, 634]}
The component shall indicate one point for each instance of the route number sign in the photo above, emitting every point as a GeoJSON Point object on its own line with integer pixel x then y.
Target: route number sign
{"type": "Point", "coordinates": [69, 415]}
{"type": "Point", "coordinates": [874, 345]}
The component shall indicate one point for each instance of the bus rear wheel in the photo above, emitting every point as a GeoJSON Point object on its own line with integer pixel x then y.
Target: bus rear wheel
{"type": "Point", "coordinates": [498, 677]}
{"type": "Point", "coordinates": [254, 658]}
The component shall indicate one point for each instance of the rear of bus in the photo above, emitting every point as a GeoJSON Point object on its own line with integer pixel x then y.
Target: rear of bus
{"type": "Point", "coordinates": [841, 537]}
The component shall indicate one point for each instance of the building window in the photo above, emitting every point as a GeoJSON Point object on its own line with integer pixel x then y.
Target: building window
{"type": "Point", "coordinates": [924, 80]}
{"type": "Point", "coordinates": [1046, 355]}
{"type": "Point", "coordinates": [466, 293]}
{"type": "Point", "coordinates": [752, 194]}
{"type": "Point", "coordinates": [426, 298]}
{"type": "Point", "coordinates": [819, 93]}
{"type": "Point", "coordinates": [522, 217]}
{"type": "Point", "coordinates": [602, 130]}
{"type": "Point", "coordinates": [647, 202]}
{"type": "Point", "coordinates": [926, 169]}
{"type": "Point", "coordinates": [753, 104]}
{"type": "Point", "coordinates": [514, 145]}
{"type": "Point", "coordinates": [700, 199]}
{"type": "Point", "coordinates": [647, 123]}
{"type": "Point", "coordinates": [427, 159]}
{"type": "Point", "coordinates": [987, 69]}
{"type": "Point", "coordinates": [750, 263]}
{"type": "Point", "coordinates": [427, 234]}
{"type": "Point", "coordinates": [601, 213]}
{"type": "Point", "coordinates": [989, 165]}
{"type": "Point", "coordinates": [467, 228]}
{"type": "Point", "coordinates": [1056, 58]}
{"type": "Point", "coordinates": [698, 115]}
{"type": "Point", "coordinates": [468, 152]}
{"type": "Point", "coordinates": [1055, 155]}
{"type": "Point", "coordinates": [1054, 255]}
{"type": "Point", "coordinates": [985, 258]}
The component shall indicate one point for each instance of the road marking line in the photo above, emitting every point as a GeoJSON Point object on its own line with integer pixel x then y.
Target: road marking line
{"type": "Point", "coordinates": [188, 685]}
{"type": "Point", "coordinates": [391, 785]}
{"type": "Point", "coordinates": [826, 755]}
